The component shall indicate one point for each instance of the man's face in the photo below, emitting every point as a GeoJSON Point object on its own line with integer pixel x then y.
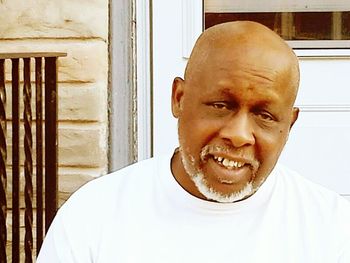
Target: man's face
{"type": "Point", "coordinates": [234, 119]}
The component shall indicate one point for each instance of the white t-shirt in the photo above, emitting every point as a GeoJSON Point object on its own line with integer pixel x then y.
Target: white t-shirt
{"type": "Point", "coordinates": [141, 214]}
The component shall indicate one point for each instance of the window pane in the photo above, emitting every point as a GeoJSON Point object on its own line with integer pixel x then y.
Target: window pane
{"type": "Point", "coordinates": [312, 26]}
{"type": "Point", "coordinates": [346, 24]}
{"type": "Point", "coordinates": [320, 20]}
{"type": "Point", "coordinates": [268, 19]}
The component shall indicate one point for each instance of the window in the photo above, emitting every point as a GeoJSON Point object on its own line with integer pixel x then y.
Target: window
{"type": "Point", "coordinates": [303, 23]}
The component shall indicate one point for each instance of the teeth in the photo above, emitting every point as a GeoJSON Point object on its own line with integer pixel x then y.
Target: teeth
{"type": "Point", "coordinates": [232, 163]}
{"type": "Point", "coordinates": [228, 163]}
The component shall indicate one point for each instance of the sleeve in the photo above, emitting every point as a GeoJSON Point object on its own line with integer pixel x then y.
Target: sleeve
{"type": "Point", "coordinates": [344, 226]}
{"type": "Point", "coordinates": [64, 243]}
{"type": "Point", "coordinates": [75, 233]}
{"type": "Point", "coordinates": [345, 255]}
{"type": "Point", "coordinates": [56, 245]}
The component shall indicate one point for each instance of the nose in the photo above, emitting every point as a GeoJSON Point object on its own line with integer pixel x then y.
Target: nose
{"type": "Point", "coordinates": [238, 131]}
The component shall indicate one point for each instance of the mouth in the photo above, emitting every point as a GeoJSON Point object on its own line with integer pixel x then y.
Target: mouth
{"type": "Point", "coordinates": [229, 158]}
{"type": "Point", "coordinates": [228, 163]}
{"type": "Point", "coordinates": [225, 166]}
{"type": "Point", "coordinates": [229, 170]}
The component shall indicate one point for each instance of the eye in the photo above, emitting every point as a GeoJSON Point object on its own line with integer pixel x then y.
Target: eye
{"type": "Point", "coordinates": [266, 116]}
{"type": "Point", "coordinates": [221, 105]}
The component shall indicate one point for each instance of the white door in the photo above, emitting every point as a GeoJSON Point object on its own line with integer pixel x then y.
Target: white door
{"type": "Point", "coordinates": [319, 143]}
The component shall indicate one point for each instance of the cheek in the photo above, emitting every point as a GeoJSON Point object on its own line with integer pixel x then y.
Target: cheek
{"type": "Point", "coordinates": [195, 133]}
{"type": "Point", "coordinates": [270, 145]}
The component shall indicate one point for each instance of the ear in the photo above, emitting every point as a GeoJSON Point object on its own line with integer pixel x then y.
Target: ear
{"type": "Point", "coordinates": [177, 96]}
{"type": "Point", "coordinates": [295, 114]}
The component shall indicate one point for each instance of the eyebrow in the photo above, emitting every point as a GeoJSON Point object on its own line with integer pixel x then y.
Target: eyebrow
{"type": "Point", "coordinates": [229, 93]}
{"type": "Point", "coordinates": [263, 103]}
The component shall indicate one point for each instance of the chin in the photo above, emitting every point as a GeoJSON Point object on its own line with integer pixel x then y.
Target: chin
{"type": "Point", "coordinates": [210, 192]}
{"type": "Point", "coordinates": [215, 195]}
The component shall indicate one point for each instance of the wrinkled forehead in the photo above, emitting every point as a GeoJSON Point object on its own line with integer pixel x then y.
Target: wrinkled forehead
{"type": "Point", "coordinates": [240, 41]}
{"type": "Point", "coordinates": [266, 61]}
{"type": "Point", "coordinates": [256, 65]}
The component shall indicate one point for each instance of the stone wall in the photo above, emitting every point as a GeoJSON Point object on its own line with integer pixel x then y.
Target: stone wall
{"type": "Point", "coordinates": [79, 28]}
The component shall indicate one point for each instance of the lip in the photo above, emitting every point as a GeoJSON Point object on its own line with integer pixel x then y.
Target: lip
{"type": "Point", "coordinates": [228, 176]}
{"type": "Point", "coordinates": [239, 159]}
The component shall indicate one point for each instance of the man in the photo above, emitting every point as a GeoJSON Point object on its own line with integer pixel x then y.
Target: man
{"type": "Point", "coordinates": [220, 197]}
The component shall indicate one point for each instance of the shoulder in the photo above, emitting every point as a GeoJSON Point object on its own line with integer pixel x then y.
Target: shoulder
{"type": "Point", "coordinates": [312, 198]}
{"type": "Point", "coordinates": [322, 211]}
{"type": "Point", "coordinates": [293, 181]}
{"type": "Point", "coordinates": [105, 189]}
{"type": "Point", "coordinates": [91, 212]}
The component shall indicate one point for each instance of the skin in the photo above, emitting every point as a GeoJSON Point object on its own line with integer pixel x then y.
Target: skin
{"type": "Point", "coordinates": [237, 99]}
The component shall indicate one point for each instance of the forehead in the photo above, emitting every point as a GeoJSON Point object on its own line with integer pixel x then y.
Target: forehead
{"type": "Point", "coordinates": [254, 71]}
{"type": "Point", "coordinates": [262, 60]}
{"type": "Point", "coordinates": [239, 93]}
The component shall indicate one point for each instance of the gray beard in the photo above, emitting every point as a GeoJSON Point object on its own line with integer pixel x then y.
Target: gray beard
{"type": "Point", "coordinates": [201, 183]}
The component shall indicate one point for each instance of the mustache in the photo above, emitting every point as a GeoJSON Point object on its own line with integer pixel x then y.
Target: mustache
{"type": "Point", "coordinates": [236, 152]}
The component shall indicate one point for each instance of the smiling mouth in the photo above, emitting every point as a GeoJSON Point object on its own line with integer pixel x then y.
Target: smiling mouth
{"type": "Point", "coordinates": [227, 163]}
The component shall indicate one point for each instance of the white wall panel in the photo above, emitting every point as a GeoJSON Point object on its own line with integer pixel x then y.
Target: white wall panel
{"type": "Point", "coordinates": [318, 148]}
{"type": "Point", "coordinates": [168, 62]}
{"type": "Point", "coordinates": [324, 81]}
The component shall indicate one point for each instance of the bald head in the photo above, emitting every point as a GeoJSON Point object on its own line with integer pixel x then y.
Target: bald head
{"type": "Point", "coordinates": [244, 41]}
{"type": "Point", "coordinates": [237, 99]}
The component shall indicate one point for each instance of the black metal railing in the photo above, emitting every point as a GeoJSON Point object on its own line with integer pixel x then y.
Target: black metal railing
{"type": "Point", "coordinates": [45, 157]}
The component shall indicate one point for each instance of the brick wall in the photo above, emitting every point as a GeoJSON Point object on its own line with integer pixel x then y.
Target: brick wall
{"type": "Point", "coordinates": [79, 28]}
